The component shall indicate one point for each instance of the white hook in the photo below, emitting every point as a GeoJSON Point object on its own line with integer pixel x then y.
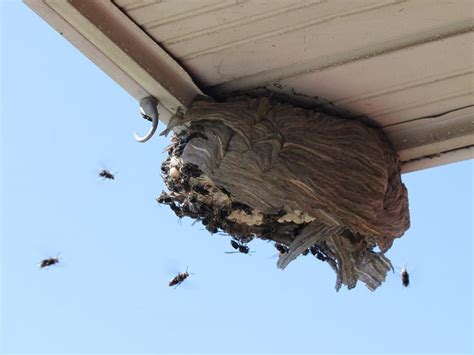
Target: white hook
{"type": "Point", "coordinates": [148, 109]}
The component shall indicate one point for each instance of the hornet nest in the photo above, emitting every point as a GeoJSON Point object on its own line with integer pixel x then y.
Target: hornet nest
{"type": "Point", "coordinates": [257, 168]}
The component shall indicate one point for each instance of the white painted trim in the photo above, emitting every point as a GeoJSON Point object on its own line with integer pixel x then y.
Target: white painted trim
{"type": "Point", "coordinates": [86, 47]}
{"type": "Point", "coordinates": [113, 60]}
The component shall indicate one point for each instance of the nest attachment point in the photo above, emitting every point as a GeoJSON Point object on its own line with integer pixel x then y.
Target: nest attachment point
{"type": "Point", "coordinates": [310, 182]}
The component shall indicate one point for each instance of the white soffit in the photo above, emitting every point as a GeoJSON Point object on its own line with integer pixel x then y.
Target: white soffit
{"type": "Point", "coordinates": [407, 65]}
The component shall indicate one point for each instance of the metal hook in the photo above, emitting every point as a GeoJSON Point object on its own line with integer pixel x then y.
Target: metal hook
{"type": "Point", "coordinates": [149, 111]}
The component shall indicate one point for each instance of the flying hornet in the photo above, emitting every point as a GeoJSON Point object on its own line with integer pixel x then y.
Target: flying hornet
{"type": "Point", "coordinates": [48, 262]}
{"type": "Point", "coordinates": [105, 174]}
{"type": "Point", "coordinates": [405, 277]}
{"type": "Point", "coordinates": [178, 279]}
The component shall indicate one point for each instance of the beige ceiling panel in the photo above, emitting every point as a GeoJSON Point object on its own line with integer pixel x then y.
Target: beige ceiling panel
{"type": "Point", "coordinates": [300, 17]}
{"type": "Point", "coordinates": [129, 5]}
{"type": "Point", "coordinates": [428, 107]}
{"type": "Point", "coordinates": [342, 33]}
{"type": "Point", "coordinates": [437, 134]}
{"type": "Point", "coordinates": [388, 73]}
{"type": "Point", "coordinates": [412, 97]}
{"type": "Point", "coordinates": [461, 116]}
{"type": "Point", "coordinates": [173, 10]}
{"type": "Point", "coordinates": [212, 28]}
{"type": "Point", "coordinates": [260, 25]}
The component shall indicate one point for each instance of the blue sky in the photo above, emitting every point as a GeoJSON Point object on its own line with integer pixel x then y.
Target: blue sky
{"type": "Point", "coordinates": [63, 119]}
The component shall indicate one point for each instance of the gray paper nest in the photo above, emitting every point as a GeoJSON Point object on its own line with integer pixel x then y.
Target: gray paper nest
{"type": "Point", "coordinates": [255, 168]}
